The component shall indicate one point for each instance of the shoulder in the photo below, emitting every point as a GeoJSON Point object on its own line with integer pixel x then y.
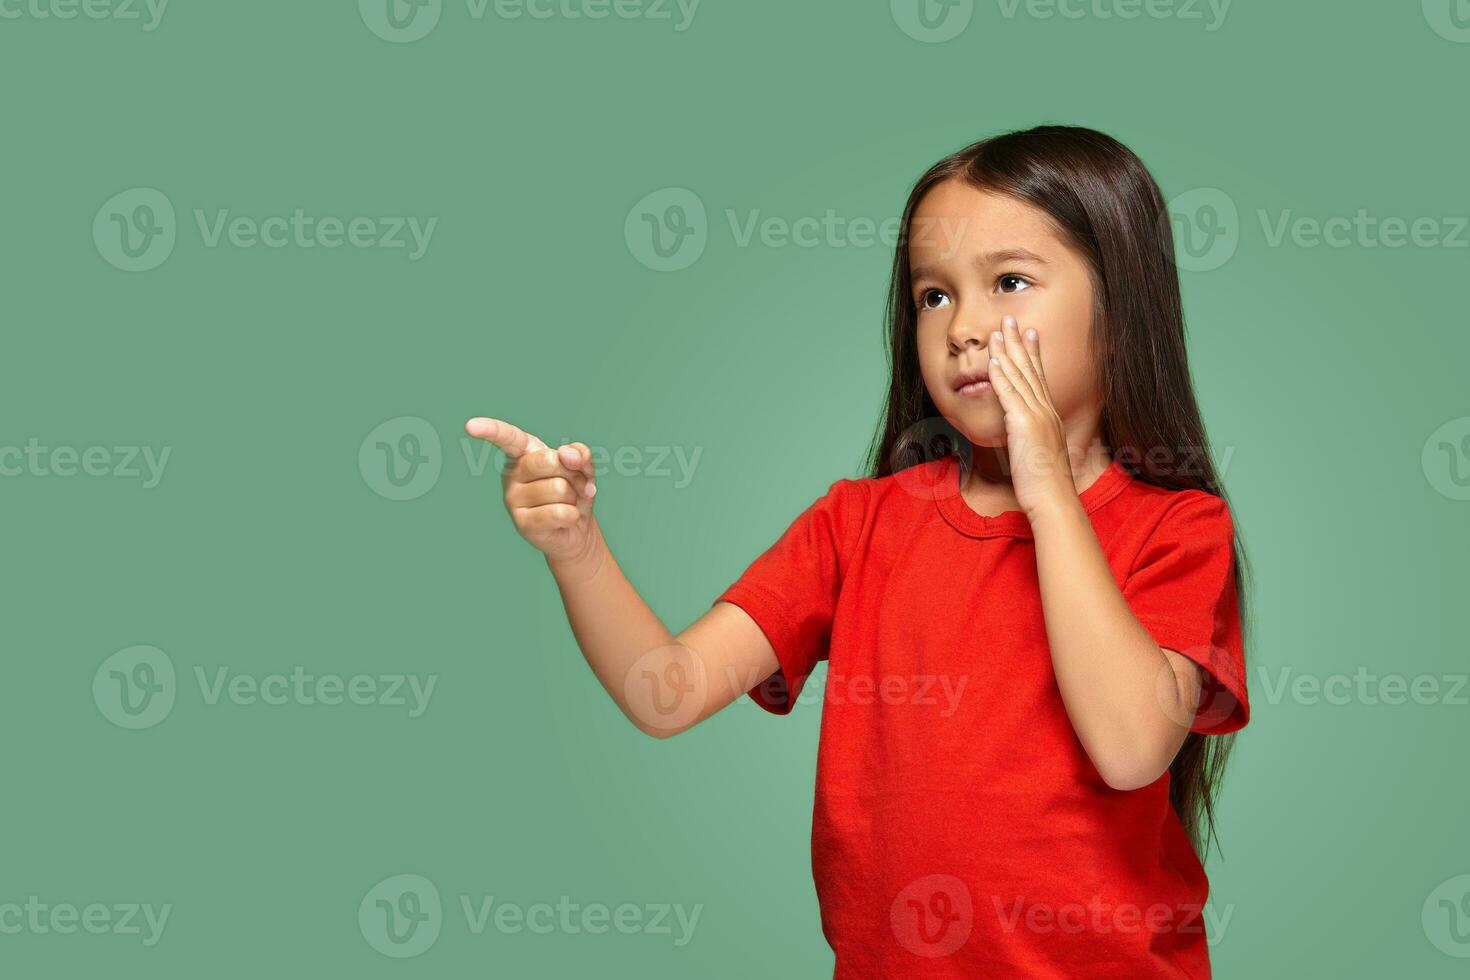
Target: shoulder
{"type": "Point", "coordinates": [847, 493]}
{"type": "Point", "coordinates": [895, 497]}
{"type": "Point", "coordinates": [1162, 521]}
{"type": "Point", "coordinates": [1196, 510]}
{"type": "Point", "coordinates": [843, 506]}
{"type": "Point", "coordinates": [915, 482]}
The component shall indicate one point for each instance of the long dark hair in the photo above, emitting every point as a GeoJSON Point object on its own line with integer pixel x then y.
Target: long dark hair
{"type": "Point", "coordinates": [1108, 206]}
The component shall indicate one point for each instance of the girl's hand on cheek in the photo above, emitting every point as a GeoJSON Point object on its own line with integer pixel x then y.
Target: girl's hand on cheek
{"type": "Point", "coordinates": [1035, 439]}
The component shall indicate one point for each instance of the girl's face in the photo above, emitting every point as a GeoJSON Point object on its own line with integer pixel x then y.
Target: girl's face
{"type": "Point", "coordinates": [975, 256]}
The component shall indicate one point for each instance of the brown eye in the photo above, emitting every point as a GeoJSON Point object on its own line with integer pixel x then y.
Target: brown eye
{"type": "Point", "coordinates": [925, 297]}
{"type": "Point", "coordinates": [1011, 277]}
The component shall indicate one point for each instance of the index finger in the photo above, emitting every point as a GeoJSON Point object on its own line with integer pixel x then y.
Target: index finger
{"type": "Point", "coordinates": [509, 439]}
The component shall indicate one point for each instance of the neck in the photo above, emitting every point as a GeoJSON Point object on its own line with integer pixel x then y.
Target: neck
{"type": "Point", "coordinates": [990, 466]}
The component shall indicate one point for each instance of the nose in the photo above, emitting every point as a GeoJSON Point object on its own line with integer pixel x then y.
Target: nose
{"type": "Point", "coordinates": [967, 329]}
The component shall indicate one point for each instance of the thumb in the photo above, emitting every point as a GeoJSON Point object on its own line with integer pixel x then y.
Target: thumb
{"type": "Point", "coordinates": [576, 456]}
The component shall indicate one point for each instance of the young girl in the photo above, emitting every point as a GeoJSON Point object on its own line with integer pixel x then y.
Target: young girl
{"type": "Point", "coordinates": [1029, 608]}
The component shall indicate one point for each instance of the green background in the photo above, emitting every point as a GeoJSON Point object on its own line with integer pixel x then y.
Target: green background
{"type": "Point", "coordinates": [1324, 372]}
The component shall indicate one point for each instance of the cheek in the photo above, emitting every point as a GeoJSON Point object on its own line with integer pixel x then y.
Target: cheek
{"type": "Point", "coordinates": [1064, 326]}
{"type": "Point", "coordinates": [1068, 378]}
{"type": "Point", "coordinates": [933, 368]}
{"type": "Point", "coordinates": [933, 346]}
{"type": "Point", "coordinates": [1068, 313]}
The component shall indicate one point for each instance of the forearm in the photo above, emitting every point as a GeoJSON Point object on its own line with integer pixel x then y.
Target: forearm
{"type": "Point", "coordinates": [612, 624]}
{"type": "Point", "coordinates": [1117, 684]}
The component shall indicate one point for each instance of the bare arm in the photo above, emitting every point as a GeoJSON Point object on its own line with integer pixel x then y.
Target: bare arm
{"type": "Point", "coordinates": [664, 684]}
{"type": "Point", "coordinates": [1130, 700]}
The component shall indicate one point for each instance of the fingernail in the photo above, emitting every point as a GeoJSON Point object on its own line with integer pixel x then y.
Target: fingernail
{"type": "Point", "coordinates": [1031, 333]}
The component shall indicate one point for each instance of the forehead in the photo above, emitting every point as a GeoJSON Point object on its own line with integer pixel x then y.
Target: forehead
{"type": "Point", "coordinates": [954, 218]}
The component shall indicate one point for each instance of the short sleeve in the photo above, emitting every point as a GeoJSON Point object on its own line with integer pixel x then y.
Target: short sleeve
{"type": "Point", "coordinates": [1182, 589]}
{"type": "Point", "coordinates": [791, 590]}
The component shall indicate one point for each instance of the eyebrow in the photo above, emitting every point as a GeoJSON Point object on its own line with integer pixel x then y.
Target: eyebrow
{"type": "Point", "coordinates": [1015, 254]}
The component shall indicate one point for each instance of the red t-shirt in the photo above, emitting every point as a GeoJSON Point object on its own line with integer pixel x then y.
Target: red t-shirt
{"type": "Point", "coordinates": [959, 828]}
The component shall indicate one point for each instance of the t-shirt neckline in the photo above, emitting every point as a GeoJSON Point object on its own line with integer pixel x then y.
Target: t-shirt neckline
{"type": "Point", "coordinates": [946, 489]}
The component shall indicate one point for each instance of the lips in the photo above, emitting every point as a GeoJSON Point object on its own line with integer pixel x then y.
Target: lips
{"type": "Point", "coordinates": [969, 377]}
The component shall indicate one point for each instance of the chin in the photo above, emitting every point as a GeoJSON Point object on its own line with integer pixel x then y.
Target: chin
{"type": "Point", "coordinates": [982, 427]}
{"type": "Point", "coordinates": [986, 439]}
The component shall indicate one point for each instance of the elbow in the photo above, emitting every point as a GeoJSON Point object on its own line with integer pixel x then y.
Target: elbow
{"type": "Point", "coordinates": [1124, 778]}
{"type": "Point", "coordinates": [1137, 753]}
{"type": "Point", "coordinates": [1132, 770]}
{"type": "Point", "coordinates": [652, 730]}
